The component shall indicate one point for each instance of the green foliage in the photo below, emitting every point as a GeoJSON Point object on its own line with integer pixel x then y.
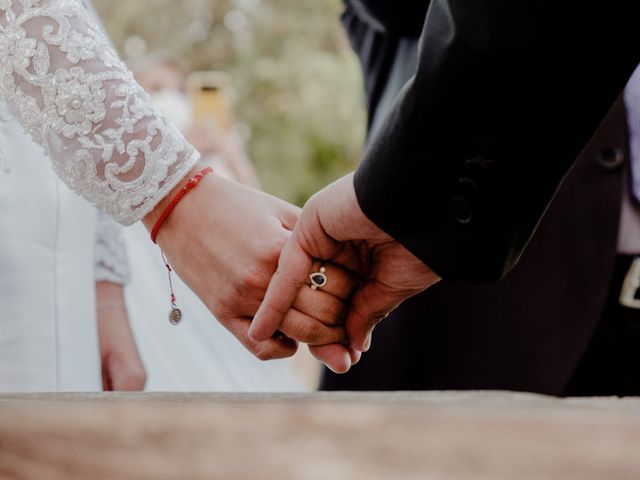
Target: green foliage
{"type": "Point", "coordinates": [297, 86]}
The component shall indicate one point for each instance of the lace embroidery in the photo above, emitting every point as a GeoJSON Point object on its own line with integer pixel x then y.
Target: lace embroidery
{"type": "Point", "coordinates": [110, 254]}
{"type": "Point", "coordinates": [77, 99]}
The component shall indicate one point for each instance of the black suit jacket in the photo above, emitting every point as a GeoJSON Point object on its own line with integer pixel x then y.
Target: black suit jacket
{"type": "Point", "coordinates": [506, 95]}
{"type": "Point", "coordinates": [530, 330]}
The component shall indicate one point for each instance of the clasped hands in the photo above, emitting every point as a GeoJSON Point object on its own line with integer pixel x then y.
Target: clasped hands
{"type": "Point", "coordinates": [231, 244]}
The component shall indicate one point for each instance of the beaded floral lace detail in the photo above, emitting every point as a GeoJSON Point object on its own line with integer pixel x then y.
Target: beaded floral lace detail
{"type": "Point", "coordinates": [110, 253]}
{"type": "Point", "coordinates": [77, 99]}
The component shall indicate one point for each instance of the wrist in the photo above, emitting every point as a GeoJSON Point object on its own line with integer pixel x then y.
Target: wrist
{"type": "Point", "coordinates": [360, 220]}
{"type": "Point", "coordinates": [109, 296]}
{"type": "Point", "coordinates": [111, 306]}
{"type": "Point", "coordinates": [343, 217]}
{"type": "Point", "coordinates": [152, 218]}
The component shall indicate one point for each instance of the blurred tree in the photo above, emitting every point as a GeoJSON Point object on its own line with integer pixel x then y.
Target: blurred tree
{"type": "Point", "coordinates": [297, 86]}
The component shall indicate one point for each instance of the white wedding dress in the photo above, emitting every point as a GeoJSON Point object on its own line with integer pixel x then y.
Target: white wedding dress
{"type": "Point", "coordinates": [65, 83]}
{"type": "Point", "coordinates": [53, 246]}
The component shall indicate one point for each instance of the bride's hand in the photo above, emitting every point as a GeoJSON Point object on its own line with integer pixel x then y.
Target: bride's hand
{"type": "Point", "coordinates": [224, 240]}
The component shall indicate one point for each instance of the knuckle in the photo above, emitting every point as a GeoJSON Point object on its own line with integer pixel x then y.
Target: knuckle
{"type": "Point", "coordinates": [312, 203]}
{"type": "Point", "coordinates": [287, 278]}
{"type": "Point", "coordinates": [312, 332]}
{"type": "Point", "coordinates": [273, 250]}
{"type": "Point", "coordinates": [346, 284]}
{"type": "Point", "coordinates": [302, 329]}
{"type": "Point", "coordinates": [369, 318]}
{"type": "Point", "coordinates": [268, 352]}
{"type": "Point", "coordinates": [254, 279]}
{"type": "Point", "coordinates": [334, 310]}
{"type": "Point", "coordinates": [223, 310]}
{"type": "Point", "coordinates": [316, 333]}
{"type": "Point", "coordinates": [275, 310]}
{"type": "Point", "coordinates": [309, 240]}
{"type": "Point", "coordinates": [328, 313]}
{"type": "Point", "coordinates": [271, 247]}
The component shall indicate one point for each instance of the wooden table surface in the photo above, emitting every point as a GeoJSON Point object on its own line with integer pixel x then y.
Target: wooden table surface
{"type": "Point", "coordinates": [426, 436]}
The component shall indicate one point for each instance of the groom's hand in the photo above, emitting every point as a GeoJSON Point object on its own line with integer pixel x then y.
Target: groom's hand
{"type": "Point", "coordinates": [224, 240]}
{"type": "Point", "coordinates": [332, 227]}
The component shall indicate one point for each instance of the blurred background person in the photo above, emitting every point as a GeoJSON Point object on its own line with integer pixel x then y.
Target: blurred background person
{"type": "Point", "coordinates": [296, 100]}
{"type": "Point", "coordinates": [198, 354]}
{"type": "Point", "coordinates": [198, 104]}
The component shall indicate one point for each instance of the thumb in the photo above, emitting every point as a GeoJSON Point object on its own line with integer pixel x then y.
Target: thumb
{"type": "Point", "coordinates": [338, 358]}
{"type": "Point", "coordinates": [371, 304]}
{"type": "Point", "coordinates": [293, 267]}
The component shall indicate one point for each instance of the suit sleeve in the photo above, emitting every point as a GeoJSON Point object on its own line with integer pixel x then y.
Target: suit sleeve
{"type": "Point", "coordinates": [506, 95]}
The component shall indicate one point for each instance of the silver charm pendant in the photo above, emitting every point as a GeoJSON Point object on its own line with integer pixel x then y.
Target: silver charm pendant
{"type": "Point", "coordinates": [175, 316]}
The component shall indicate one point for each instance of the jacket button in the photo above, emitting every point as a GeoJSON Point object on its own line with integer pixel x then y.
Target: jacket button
{"type": "Point", "coordinates": [460, 210]}
{"type": "Point", "coordinates": [610, 158]}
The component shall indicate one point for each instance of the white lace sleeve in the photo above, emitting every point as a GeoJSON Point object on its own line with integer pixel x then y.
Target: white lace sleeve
{"type": "Point", "coordinates": [79, 101]}
{"type": "Point", "coordinates": [110, 251]}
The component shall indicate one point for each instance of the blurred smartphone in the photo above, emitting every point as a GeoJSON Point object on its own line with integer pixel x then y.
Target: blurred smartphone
{"type": "Point", "coordinates": [209, 93]}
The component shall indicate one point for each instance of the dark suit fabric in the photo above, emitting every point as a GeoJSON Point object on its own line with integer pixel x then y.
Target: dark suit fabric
{"type": "Point", "coordinates": [527, 332]}
{"type": "Point", "coordinates": [532, 330]}
{"type": "Point", "coordinates": [505, 96]}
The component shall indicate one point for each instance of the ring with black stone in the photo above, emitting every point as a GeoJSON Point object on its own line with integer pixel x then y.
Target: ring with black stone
{"type": "Point", "coordinates": [319, 279]}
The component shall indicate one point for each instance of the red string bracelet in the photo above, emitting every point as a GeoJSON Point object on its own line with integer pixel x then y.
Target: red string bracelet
{"type": "Point", "coordinates": [190, 185]}
{"type": "Point", "coordinates": [175, 315]}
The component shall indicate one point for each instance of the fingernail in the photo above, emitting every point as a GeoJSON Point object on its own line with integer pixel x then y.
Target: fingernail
{"type": "Point", "coordinates": [367, 344]}
{"type": "Point", "coordinates": [356, 358]}
{"type": "Point", "coordinates": [341, 367]}
{"type": "Point", "coordinates": [359, 347]}
{"type": "Point", "coordinates": [257, 336]}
